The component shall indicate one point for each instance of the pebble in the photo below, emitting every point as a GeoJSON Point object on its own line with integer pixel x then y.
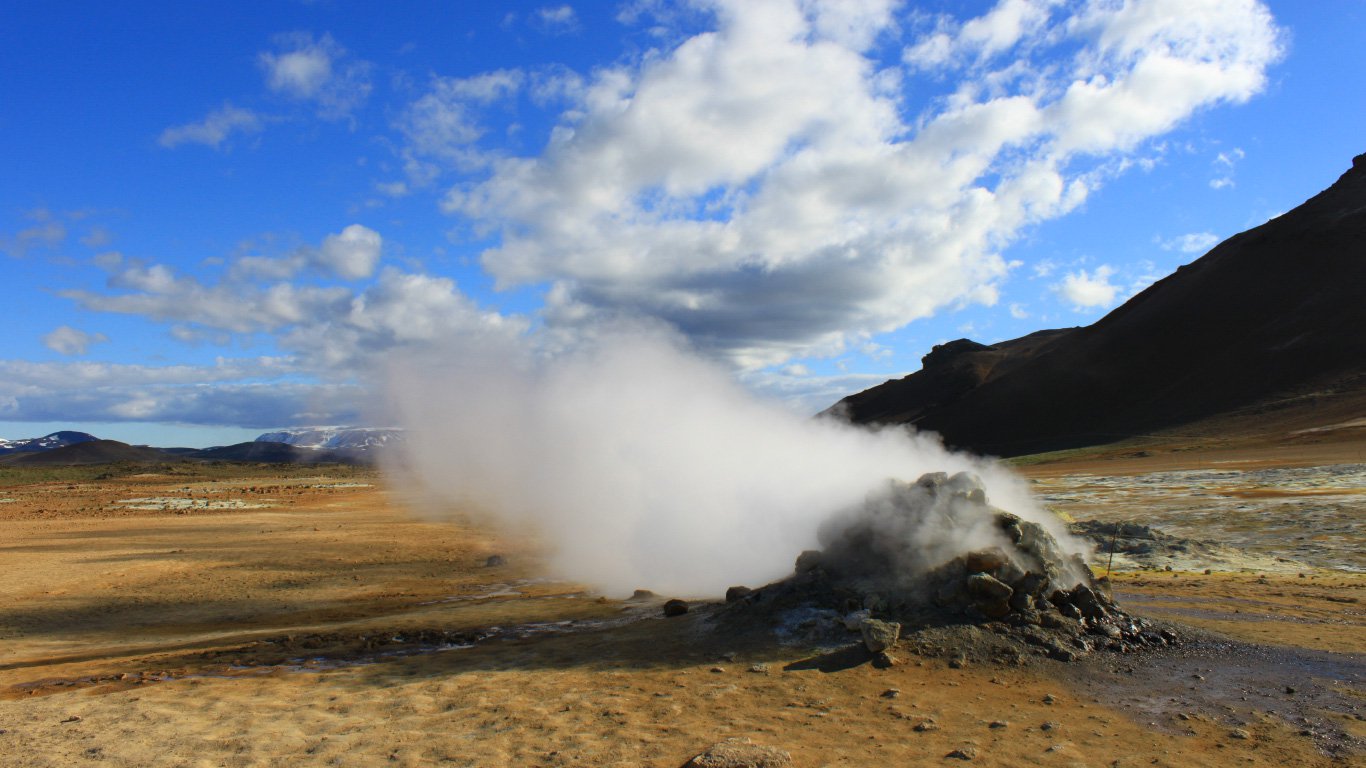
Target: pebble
{"type": "Point", "coordinates": [891, 693]}
{"type": "Point", "coordinates": [759, 669]}
{"type": "Point", "coordinates": [965, 753]}
{"type": "Point", "coordinates": [925, 725]}
{"type": "Point", "coordinates": [1239, 733]}
{"type": "Point", "coordinates": [999, 724]}
{"type": "Point", "coordinates": [1049, 726]}
{"type": "Point", "coordinates": [1049, 698]}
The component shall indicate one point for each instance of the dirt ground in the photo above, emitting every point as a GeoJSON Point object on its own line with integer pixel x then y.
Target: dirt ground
{"type": "Point", "coordinates": [258, 616]}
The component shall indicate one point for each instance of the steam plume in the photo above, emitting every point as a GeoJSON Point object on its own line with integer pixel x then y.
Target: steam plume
{"type": "Point", "coordinates": [647, 466]}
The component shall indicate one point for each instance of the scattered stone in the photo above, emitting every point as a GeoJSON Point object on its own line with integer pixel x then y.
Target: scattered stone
{"type": "Point", "coordinates": [740, 753]}
{"type": "Point", "coordinates": [879, 635]}
{"type": "Point", "coordinates": [962, 753]}
{"type": "Point", "coordinates": [759, 669]}
{"type": "Point", "coordinates": [675, 607]}
{"type": "Point", "coordinates": [1239, 733]}
{"type": "Point", "coordinates": [997, 724]}
{"type": "Point", "coordinates": [926, 725]}
{"type": "Point", "coordinates": [1049, 726]}
{"type": "Point", "coordinates": [718, 670]}
{"type": "Point", "coordinates": [885, 660]}
{"type": "Point", "coordinates": [1049, 698]}
{"type": "Point", "coordinates": [958, 662]}
{"type": "Point", "coordinates": [1289, 691]}
{"type": "Point", "coordinates": [738, 593]}
{"type": "Point", "coordinates": [891, 693]}
{"type": "Point", "coordinates": [73, 719]}
{"type": "Point", "coordinates": [494, 561]}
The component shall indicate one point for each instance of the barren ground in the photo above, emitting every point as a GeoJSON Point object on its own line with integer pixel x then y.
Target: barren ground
{"type": "Point", "coordinates": [224, 616]}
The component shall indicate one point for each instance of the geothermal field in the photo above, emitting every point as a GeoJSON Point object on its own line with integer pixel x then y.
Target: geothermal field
{"type": "Point", "coordinates": [243, 615]}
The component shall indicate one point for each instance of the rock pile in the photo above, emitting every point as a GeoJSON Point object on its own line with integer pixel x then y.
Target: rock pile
{"type": "Point", "coordinates": [935, 554]}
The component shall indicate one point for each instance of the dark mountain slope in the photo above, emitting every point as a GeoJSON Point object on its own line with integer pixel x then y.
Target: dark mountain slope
{"type": "Point", "coordinates": [89, 452]}
{"type": "Point", "coordinates": [1276, 312]}
{"type": "Point", "coordinates": [273, 453]}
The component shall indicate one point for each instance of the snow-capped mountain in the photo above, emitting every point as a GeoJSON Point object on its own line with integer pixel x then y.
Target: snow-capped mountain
{"type": "Point", "coordinates": [335, 438]}
{"type": "Point", "coordinates": [44, 443]}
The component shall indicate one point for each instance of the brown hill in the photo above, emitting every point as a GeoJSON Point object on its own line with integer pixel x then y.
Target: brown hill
{"type": "Point", "coordinates": [1270, 324]}
{"type": "Point", "coordinates": [91, 452]}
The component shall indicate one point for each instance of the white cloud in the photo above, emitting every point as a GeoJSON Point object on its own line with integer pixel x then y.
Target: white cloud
{"type": "Point", "coordinates": [1019, 312]}
{"type": "Point", "coordinates": [47, 231]}
{"type": "Point", "coordinates": [317, 70]}
{"type": "Point", "coordinates": [556, 18]}
{"type": "Point", "coordinates": [758, 186]}
{"type": "Point", "coordinates": [216, 127]}
{"type": "Point", "coordinates": [1089, 290]}
{"type": "Point", "coordinates": [352, 254]}
{"type": "Point", "coordinates": [330, 329]}
{"type": "Point", "coordinates": [1224, 163]}
{"type": "Point", "coordinates": [252, 392]}
{"type": "Point", "coordinates": [71, 341]}
{"type": "Point", "coordinates": [1192, 242]}
{"type": "Point", "coordinates": [441, 128]}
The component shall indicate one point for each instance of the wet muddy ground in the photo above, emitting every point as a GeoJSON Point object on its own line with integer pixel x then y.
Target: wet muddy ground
{"type": "Point", "coordinates": [1267, 519]}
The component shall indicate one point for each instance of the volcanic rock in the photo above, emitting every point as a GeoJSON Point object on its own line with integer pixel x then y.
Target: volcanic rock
{"type": "Point", "coordinates": [737, 593]}
{"type": "Point", "coordinates": [675, 607]}
{"type": "Point", "coordinates": [934, 555]}
{"type": "Point", "coordinates": [740, 753]}
{"type": "Point", "coordinates": [878, 636]}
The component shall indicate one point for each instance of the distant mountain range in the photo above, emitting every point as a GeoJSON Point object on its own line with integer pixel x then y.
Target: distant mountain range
{"type": "Point", "coordinates": [1267, 328]}
{"type": "Point", "coordinates": [44, 443]}
{"type": "Point", "coordinates": [335, 438]}
{"type": "Point", "coordinates": [308, 445]}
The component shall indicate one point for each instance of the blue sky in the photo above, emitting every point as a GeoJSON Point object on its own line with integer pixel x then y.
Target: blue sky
{"type": "Point", "coordinates": [219, 219]}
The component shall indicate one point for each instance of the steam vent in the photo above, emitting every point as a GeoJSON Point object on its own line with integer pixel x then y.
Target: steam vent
{"type": "Point", "coordinates": [960, 577]}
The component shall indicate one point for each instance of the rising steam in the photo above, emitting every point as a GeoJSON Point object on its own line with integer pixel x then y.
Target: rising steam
{"type": "Point", "coordinates": [649, 467]}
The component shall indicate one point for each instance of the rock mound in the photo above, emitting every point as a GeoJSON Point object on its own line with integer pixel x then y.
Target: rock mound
{"type": "Point", "coordinates": [934, 554]}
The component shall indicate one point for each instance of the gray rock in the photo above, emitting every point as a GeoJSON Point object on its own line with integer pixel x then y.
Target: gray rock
{"type": "Point", "coordinates": [878, 635]}
{"type": "Point", "coordinates": [986, 587]}
{"type": "Point", "coordinates": [675, 607]}
{"type": "Point", "coordinates": [740, 753]}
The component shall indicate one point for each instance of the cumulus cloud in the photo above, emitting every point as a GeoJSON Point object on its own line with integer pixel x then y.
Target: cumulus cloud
{"type": "Point", "coordinates": [1089, 290]}
{"type": "Point", "coordinates": [216, 127]}
{"type": "Point", "coordinates": [246, 393]}
{"type": "Point", "coordinates": [767, 189]}
{"type": "Point", "coordinates": [327, 328]}
{"type": "Point", "coordinates": [352, 254]}
{"type": "Point", "coordinates": [317, 70]}
{"type": "Point", "coordinates": [71, 341]}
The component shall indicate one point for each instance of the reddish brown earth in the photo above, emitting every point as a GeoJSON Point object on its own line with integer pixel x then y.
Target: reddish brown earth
{"type": "Point", "coordinates": [303, 616]}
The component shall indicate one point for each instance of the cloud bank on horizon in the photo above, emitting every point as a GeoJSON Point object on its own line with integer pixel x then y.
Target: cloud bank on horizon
{"type": "Point", "coordinates": [779, 182]}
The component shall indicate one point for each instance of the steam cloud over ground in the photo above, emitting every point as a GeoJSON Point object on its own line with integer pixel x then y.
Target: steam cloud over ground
{"type": "Point", "coordinates": [646, 466]}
